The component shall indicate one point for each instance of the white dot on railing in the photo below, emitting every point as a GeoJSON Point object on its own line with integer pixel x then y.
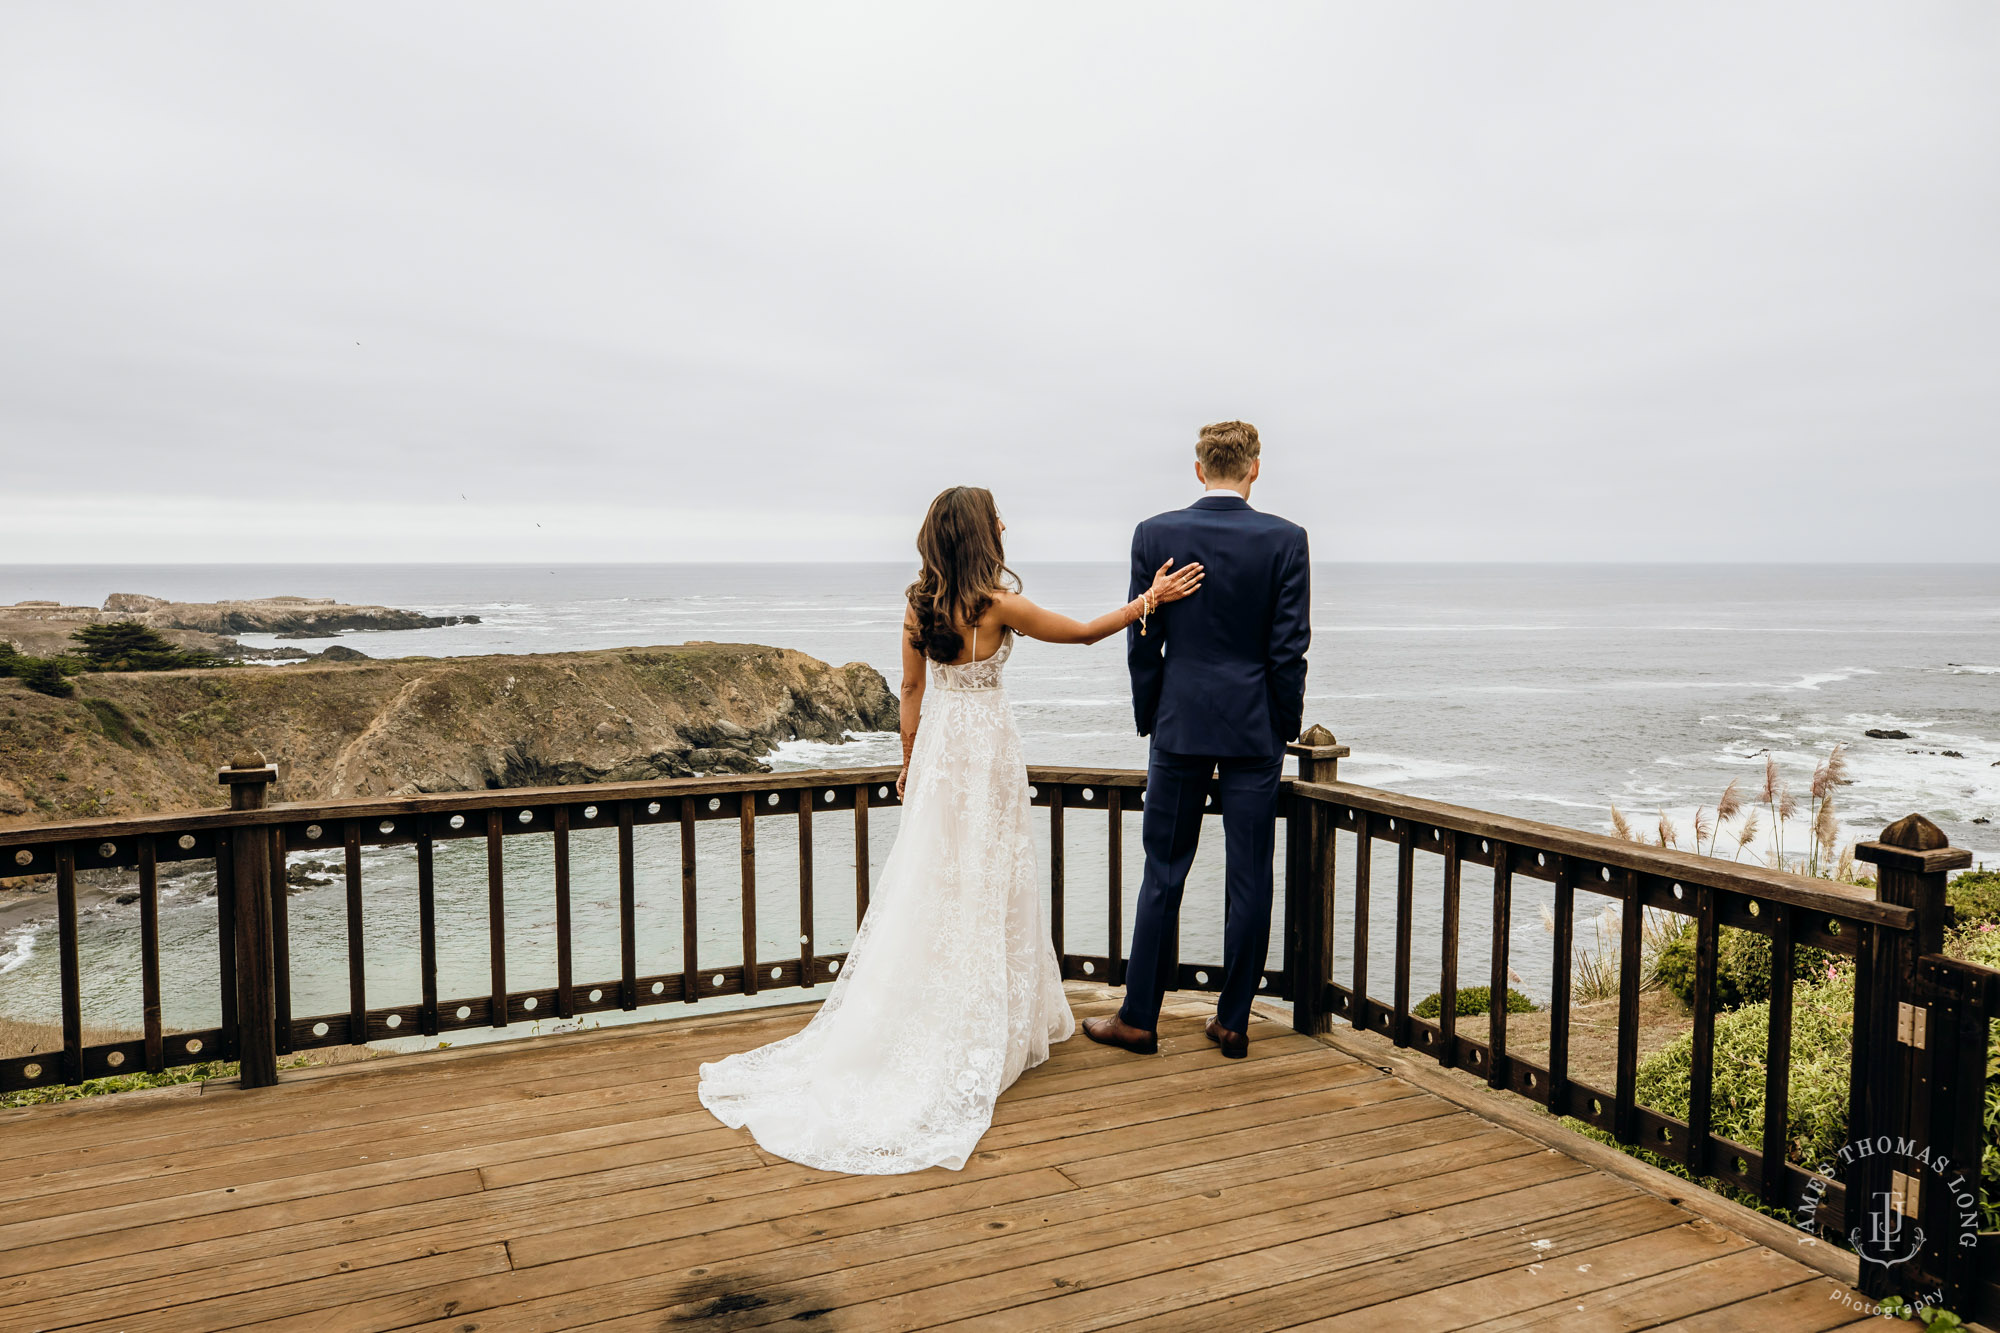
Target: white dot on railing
{"type": "Point", "coordinates": [1832, 926]}
{"type": "Point", "coordinates": [1262, 982]}
{"type": "Point", "coordinates": [882, 792]}
{"type": "Point", "coordinates": [653, 808]}
{"type": "Point", "coordinates": [193, 1046]}
{"type": "Point", "coordinates": [659, 988]}
{"type": "Point", "coordinates": [312, 835]}
{"type": "Point", "coordinates": [1679, 892]}
{"type": "Point", "coordinates": [458, 821]}
{"type": "Point", "coordinates": [1392, 826]}
{"type": "Point", "coordinates": [805, 939]}
{"type": "Point", "coordinates": [1755, 908]}
{"type": "Point", "coordinates": [527, 816]}
{"type": "Point", "coordinates": [386, 826]}
{"type": "Point", "coordinates": [320, 1029]}
{"type": "Point", "coordinates": [1597, 1106]}
{"type": "Point", "coordinates": [1208, 800]}
{"type": "Point", "coordinates": [1437, 835]}
{"type": "Point", "coordinates": [1201, 977]}
{"type": "Point", "coordinates": [590, 812]}
{"type": "Point", "coordinates": [715, 802]}
{"type": "Point", "coordinates": [772, 799]}
{"type": "Point", "coordinates": [186, 840]}
{"type": "Point", "coordinates": [1089, 968]}
{"type": "Point", "coordinates": [464, 1011]}
{"type": "Point", "coordinates": [115, 1059]}
{"type": "Point", "coordinates": [31, 1071]}
{"type": "Point", "coordinates": [833, 966]}
{"type": "Point", "coordinates": [1485, 846]}
{"type": "Point", "coordinates": [1033, 792]}
{"type": "Point", "coordinates": [24, 857]}
{"type": "Point", "coordinates": [393, 1020]}
{"type": "Point", "coordinates": [716, 980]}
{"type": "Point", "coordinates": [828, 797]}
{"type": "Point", "coordinates": [1088, 794]}
{"type": "Point", "coordinates": [531, 1004]}
{"type": "Point", "coordinates": [596, 995]}
{"type": "Point", "coordinates": [1541, 858]}
{"type": "Point", "coordinates": [1604, 872]}
{"type": "Point", "coordinates": [777, 972]}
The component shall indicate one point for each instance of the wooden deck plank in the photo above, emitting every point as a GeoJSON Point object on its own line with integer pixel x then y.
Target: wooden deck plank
{"type": "Point", "coordinates": [1813, 1306]}
{"type": "Point", "coordinates": [1740, 1271]}
{"type": "Point", "coordinates": [552, 1184]}
{"type": "Point", "coordinates": [840, 1274]}
{"type": "Point", "coordinates": [1574, 1291]}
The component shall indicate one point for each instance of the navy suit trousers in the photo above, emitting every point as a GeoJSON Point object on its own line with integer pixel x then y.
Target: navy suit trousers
{"type": "Point", "coordinates": [1177, 788]}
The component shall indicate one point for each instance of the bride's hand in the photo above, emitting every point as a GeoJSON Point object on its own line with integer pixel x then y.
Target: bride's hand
{"type": "Point", "coordinates": [902, 778]}
{"type": "Point", "coordinates": [1171, 587]}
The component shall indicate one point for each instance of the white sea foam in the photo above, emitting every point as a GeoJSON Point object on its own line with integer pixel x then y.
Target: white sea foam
{"type": "Point", "coordinates": [860, 749]}
{"type": "Point", "coordinates": [17, 948]}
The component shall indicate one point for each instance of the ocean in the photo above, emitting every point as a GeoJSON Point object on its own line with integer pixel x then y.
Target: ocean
{"type": "Point", "coordinates": [1552, 692]}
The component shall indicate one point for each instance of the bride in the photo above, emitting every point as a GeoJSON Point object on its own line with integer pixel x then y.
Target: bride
{"type": "Point", "coordinates": [951, 988]}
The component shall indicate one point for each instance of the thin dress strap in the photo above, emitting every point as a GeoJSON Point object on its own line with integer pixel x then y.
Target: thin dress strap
{"type": "Point", "coordinates": [975, 643]}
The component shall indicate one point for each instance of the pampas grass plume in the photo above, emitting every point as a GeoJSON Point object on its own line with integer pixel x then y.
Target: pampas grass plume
{"type": "Point", "coordinates": [1731, 802]}
{"type": "Point", "coordinates": [1623, 829]}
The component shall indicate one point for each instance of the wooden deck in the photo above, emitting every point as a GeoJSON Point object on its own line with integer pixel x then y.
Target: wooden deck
{"type": "Point", "coordinates": [575, 1182]}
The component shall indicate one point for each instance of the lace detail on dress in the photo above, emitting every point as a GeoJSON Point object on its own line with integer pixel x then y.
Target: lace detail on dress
{"type": "Point", "coordinates": [951, 988]}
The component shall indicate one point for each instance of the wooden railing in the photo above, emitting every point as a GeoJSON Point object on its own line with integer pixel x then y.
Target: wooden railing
{"type": "Point", "coordinates": [1919, 1064]}
{"type": "Point", "coordinates": [1929, 1094]}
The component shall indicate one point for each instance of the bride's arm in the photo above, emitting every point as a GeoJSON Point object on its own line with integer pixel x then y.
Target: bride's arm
{"type": "Point", "coordinates": [914, 677]}
{"type": "Point", "coordinates": [1036, 622]}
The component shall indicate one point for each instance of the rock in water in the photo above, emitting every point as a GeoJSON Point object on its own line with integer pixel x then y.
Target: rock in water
{"type": "Point", "coordinates": [1886, 734]}
{"type": "Point", "coordinates": [341, 653]}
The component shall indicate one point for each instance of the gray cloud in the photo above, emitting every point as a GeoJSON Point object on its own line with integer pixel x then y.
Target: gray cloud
{"type": "Point", "coordinates": [1534, 281]}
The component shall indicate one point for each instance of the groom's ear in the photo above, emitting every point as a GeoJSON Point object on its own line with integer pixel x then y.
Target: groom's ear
{"type": "Point", "coordinates": [1256, 466]}
{"type": "Point", "coordinates": [1199, 474]}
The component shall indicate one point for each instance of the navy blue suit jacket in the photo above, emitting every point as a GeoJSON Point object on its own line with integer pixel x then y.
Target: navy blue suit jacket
{"type": "Point", "coordinates": [1223, 672]}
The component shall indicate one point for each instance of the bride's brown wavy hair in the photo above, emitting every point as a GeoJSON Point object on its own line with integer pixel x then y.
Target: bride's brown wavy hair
{"type": "Point", "coordinates": [964, 565]}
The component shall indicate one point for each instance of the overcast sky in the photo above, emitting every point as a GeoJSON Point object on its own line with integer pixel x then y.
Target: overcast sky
{"type": "Point", "coordinates": [1495, 281]}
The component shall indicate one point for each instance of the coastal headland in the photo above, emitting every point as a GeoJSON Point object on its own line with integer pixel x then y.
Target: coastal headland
{"type": "Point", "coordinates": [133, 743]}
{"type": "Point", "coordinates": [43, 628]}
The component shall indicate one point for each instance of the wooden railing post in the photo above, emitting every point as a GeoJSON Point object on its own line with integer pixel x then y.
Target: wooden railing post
{"type": "Point", "coordinates": [1889, 1097]}
{"type": "Point", "coordinates": [1311, 918]}
{"type": "Point", "coordinates": [248, 777]}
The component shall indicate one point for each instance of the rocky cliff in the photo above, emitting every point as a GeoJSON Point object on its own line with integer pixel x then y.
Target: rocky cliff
{"type": "Point", "coordinates": [128, 744]}
{"type": "Point", "coordinates": [44, 628]}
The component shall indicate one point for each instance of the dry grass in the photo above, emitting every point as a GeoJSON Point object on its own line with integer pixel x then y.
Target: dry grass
{"type": "Point", "coordinates": [1593, 1034]}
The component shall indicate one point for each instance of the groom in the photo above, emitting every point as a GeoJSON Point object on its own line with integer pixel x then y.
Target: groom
{"type": "Point", "coordinates": [1218, 682]}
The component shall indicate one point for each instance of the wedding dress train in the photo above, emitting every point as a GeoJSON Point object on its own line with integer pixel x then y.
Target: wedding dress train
{"type": "Point", "coordinates": [951, 987]}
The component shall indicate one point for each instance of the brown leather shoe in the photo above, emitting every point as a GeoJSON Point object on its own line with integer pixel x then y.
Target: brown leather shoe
{"type": "Point", "coordinates": [1117, 1032]}
{"type": "Point", "coordinates": [1235, 1045]}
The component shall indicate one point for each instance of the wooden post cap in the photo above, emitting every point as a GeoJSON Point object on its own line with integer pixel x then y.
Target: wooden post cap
{"type": "Point", "coordinates": [248, 766]}
{"type": "Point", "coordinates": [1914, 843]}
{"type": "Point", "coordinates": [1316, 742]}
{"type": "Point", "coordinates": [1916, 834]}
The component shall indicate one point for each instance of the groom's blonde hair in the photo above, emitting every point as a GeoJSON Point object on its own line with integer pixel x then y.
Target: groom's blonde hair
{"type": "Point", "coordinates": [1226, 450]}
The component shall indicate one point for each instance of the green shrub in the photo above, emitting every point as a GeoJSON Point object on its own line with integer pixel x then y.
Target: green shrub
{"type": "Point", "coordinates": [1473, 1000]}
{"type": "Point", "coordinates": [44, 675]}
{"type": "Point", "coordinates": [1974, 898]}
{"type": "Point", "coordinates": [1742, 966]}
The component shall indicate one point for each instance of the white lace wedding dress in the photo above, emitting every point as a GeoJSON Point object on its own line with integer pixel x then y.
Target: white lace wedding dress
{"type": "Point", "coordinates": [951, 988]}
